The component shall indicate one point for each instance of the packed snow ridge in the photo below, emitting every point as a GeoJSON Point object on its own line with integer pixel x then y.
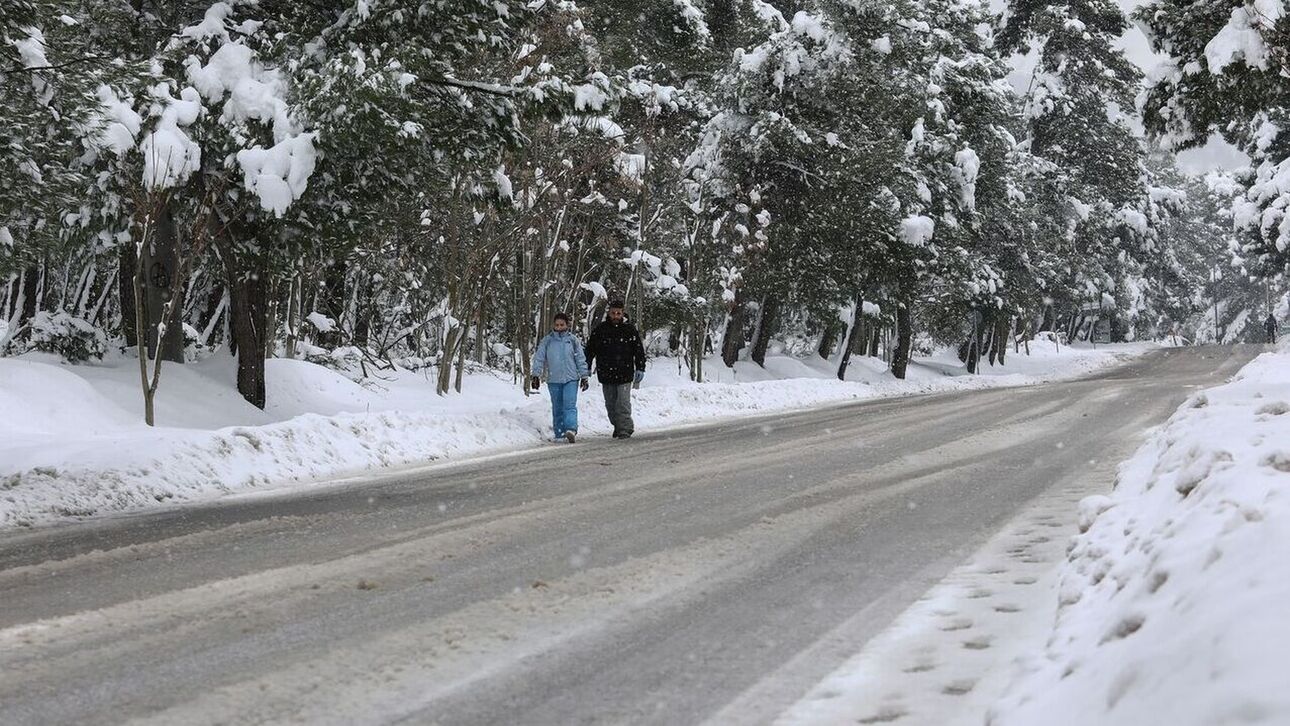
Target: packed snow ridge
{"type": "Point", "coordinates": [1173, 600]}
{"type": "Point", "coordinates": [81, 448]}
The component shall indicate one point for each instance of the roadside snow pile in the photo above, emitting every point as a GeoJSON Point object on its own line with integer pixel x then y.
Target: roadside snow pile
{"type": "Point", "coordinates": [1173, 602]}
{"type": "Point", "coordinates": [79, 446]}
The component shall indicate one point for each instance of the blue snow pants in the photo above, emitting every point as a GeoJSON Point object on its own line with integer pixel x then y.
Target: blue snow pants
{"type": "Point", "coordinates": [564, 406]}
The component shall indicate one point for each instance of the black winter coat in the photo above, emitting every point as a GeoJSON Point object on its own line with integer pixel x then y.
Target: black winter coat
{"type": "Point", "coordinates": [617, 350]}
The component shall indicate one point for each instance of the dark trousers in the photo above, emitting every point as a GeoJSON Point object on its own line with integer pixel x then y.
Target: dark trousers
{"type": "Point", "coordinates": [618, 405]}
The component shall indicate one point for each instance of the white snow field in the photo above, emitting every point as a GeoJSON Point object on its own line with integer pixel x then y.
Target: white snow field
{"type": "Point", "coordinates": [1173, 602]}
{"type": "Point", "coordinates": [77, 445]}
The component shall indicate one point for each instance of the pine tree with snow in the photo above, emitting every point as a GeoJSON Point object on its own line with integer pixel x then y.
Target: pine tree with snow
{"type": "Point", "coordinates": [1077, 103]}
{"type": "Point", "coordinates": [1226, 73]}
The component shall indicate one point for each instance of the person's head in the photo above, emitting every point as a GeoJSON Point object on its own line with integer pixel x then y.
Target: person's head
{"type": "Point", "coordinates": [616, 312]}
{"type": "Point", "coordinates": [560, 323]}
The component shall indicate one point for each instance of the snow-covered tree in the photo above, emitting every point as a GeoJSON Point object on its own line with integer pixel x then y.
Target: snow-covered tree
{"type": "Point", "coordinates": [1227, 72]}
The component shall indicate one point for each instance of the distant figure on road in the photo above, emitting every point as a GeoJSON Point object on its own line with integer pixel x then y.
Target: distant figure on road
{"type": "Point", "coordinates": [616, 344]}
{"type": "Point", "coordinates": [1270, 327]}
{"type": "Point", "coordinates": [560, 357]}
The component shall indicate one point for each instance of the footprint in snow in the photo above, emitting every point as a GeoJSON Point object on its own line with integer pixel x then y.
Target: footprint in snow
{"type": "Point", "coordinates": [957, 624]}
{"type": "Point", "coordinates": [959, 688]}
{"type": "Point", "coordinates": [887, 714]}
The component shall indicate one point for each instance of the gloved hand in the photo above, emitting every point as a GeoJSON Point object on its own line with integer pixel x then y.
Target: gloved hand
{"type": "Point", "coordinates": [535, 383]}
{"type": "Point", "coordinates": [640, 376]}
{"type": "Point", "coordinates": [585, 384]}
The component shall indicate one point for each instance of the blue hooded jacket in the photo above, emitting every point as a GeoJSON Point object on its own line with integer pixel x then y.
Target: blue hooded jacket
{"type": "Point", "coordinates": [560, 357]}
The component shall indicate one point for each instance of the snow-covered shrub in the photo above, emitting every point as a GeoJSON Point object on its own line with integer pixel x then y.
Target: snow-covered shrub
{"type": "Point", "coordinates": [66, 335]}
{"type": "Point", "coordinates": [343, 359]}
{"type": "Point", "coordinates": [413, 363]}
{"type": "Point", "coordinates": [1051, 336]}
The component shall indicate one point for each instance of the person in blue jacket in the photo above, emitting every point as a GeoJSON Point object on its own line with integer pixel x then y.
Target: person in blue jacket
{"type": "Point", "coordinates": [560, 357]}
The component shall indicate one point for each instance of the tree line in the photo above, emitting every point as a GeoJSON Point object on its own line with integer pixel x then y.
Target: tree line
{"type": "Point", "coordinates": [373, 183]}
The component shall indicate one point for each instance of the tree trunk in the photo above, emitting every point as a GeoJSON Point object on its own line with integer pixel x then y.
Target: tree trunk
{"type": "Point", "coordinates": [971, 350]}
{"type": "Point", "coordinates": [446, 358]}
{"type": "Point", "coordinates": [1002, 332]}
{"type": "Point", "coordinates": [698, 350]}
{"type": "Point", "coordinates": [248, 295]}
{"type": "Point", "coordinates": [852, 337]}
{"type": "Point", "coordinates": [160, 265]}
{"type": "Point", "coordinates": [481, 326]}
{"type": "Point", "coordinates": [26, 295]}
{"type": "Point", "coordinates": [992, 347]}
{"type": "Point", "coordinates": [126, 264]}
{"type": "Point", "coordinates": [828, 339]}
{"type": "Point", "coordinates": [733, 343]}
{"type": "Point", "coordinates": [1050, 319]}
{"type": "Point", "coordinates": [769, 322]}
{"type": "Point", "coordinates": [904, 341]}
{"type": "Point", "coordinates": [248, 308]}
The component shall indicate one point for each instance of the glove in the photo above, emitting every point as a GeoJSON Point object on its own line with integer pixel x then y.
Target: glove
{"type": "Point", "coordinates": [585, 384]}
{"type": "Point", "coordinates": [535, 383]}
{"type": "Point", "coordinates": [638, 377]}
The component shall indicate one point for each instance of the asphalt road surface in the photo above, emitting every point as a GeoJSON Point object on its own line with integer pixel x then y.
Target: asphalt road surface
{"type": "Point", "coordinates": [707, 574]}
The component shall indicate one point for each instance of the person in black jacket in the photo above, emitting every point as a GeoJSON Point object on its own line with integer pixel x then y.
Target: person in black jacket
{"type": "Point", "coordinates": [619, 356]}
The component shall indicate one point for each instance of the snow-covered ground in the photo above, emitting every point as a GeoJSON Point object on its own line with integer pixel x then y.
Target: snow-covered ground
{"type": "Point", "coordinates": [1173, 603]}
{"type": "Point", "coordinates": [946, 659]}
{"type": "Point", "coordinates": [73, 444]}
{"type": "Point", "coordinates": [1163, 603]}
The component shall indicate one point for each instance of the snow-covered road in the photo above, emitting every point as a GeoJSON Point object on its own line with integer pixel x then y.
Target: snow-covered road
{"type": "Point", "coordinates": [715, 573]}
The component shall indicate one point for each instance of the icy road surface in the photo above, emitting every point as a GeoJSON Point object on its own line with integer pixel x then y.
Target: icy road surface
{"type": "Point", "coordinates": [718, 573]}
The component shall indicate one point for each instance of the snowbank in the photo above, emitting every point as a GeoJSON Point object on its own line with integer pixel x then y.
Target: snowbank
{"type": "Point", "coordinates": [78, 447]}
{"type": "Point", "coordinates": [1173, 602]}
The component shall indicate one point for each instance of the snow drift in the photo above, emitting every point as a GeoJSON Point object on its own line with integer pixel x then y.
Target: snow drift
{"type": "Point", "coordinates": [1173, 601]}
{"type": "Point", "coordinates": [78, 446]}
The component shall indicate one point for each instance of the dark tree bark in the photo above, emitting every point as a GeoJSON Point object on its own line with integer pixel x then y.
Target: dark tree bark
{"type": "Point", "coordinates": [733, 343]}
{"type": "Point", "coordinates": [30, 290]}
{"type": "Point", "coordinates": [160, 266]}
{"type": "Point", "coordinates": [854, 336]}
{"type": "Point", "coordinates": [991, 346]}
{"type": "Point", "coordinates": [769, 323]}
{"type": "Point", "coordinates": [249, 308]}
{"type": "Point", "coordinates": [904, 341]}
{"type": "Point", "coordinates": [971, 349]}
{"type": "Point", "coordinates": [829, 339]}
{"type": "Point", "coordinates": [248, 317]}
{"type": "Point", "coordinates": [1050, 319]}
{"type": "Point", "coordinates": [127, 264]}
{"type": "Point", "coordinates": [1002, 332]}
